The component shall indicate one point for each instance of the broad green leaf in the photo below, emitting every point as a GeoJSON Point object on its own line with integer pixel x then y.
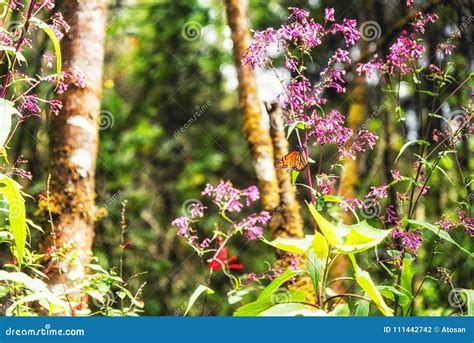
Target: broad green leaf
{"type": "Point", "coordinates": [392, 293]}
{"type": "Point", "coordinates": [261, 304]}
{"type": "Point", "coordinates": [349, 238]}
{"type": "Point", "coordinates": [327, 228]}
{"type": "Point", "coordinates": [57, 49]}
{"type": "Point", "coordinates": [406, 145]}
{"type": "Point", "coordinates": [293, 245]}
{"type": "Point", "coordinates": [199, 290]}
{"type": "Point", "coordinates": [408, 271]}
{"type": "Point", "coordinates": [360, 237]}
{"type": "Point", "coordinates": [320, 246]}
{"type": "Point", "coordinates": [275, 284]}
{"type": "Point", "coordinates": [470, 301]}
{"type": "Point", "coordinates": [314, 270]}
{"type": "Point", "coordinates": [16, 213]}
{"type": "Point", "coordinates": [12, 52]}
{"type": "Point", "coordinates": [362, 308]}
{"type": "Point", "coordinates": [291, 309]}
{"type": "Point", "coordinates": [294, 176]}
{"type": "Point", "coordinates": [439, 232]}
{"type": "Point", "coordinates": [365, 282]}
{"type": "Point", "coordinates": [340, 310]}
{"type": "Point", "coordinates": [7, 109]}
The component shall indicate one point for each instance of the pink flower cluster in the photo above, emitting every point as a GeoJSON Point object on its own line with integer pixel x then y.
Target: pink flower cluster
{"type": "Point", "coordinates": [466, 222]}
{"type": "Point", "coordinates": [302, 99]}
{"type": "Point", "coordinates": [404, 53]}
{"type": "Point", "coordinates": [227, 198]}
{"type": "Point", "coordinates": [299, 31]}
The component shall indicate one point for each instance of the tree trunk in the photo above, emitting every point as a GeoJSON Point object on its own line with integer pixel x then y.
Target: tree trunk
{"type": "Point", "coordinates": [74, 143]}
{"type": "Point", "coordinates": [289, 222]}
{"type": "Point", "coordinates": [257, 136]}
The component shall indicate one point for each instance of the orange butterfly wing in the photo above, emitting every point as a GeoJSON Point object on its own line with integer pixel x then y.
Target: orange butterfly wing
{"type": "Point", "coordinates": [294, 160]}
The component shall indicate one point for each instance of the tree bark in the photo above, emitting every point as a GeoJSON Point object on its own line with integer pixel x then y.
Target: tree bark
{"type": "Point", "coordinates": [249, 104]}
{"type": "Point", "coordinates": [74, 143]}
{"type": "Point", "coordinates": [289, 222]}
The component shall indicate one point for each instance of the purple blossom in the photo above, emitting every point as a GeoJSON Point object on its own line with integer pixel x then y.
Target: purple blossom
{"type": "Point", "coordinates": [55, 106]}
{"type": "Point", "coordinates": [257, 53]}
{"type": "Point", "coordinates": [59, 25]}
{"type": "Point", "coordinates": [410, 241]}
{"type": "Point", "coordinates": [252, 225]}
{"type": "Point", "coordinates": [30, 105]}
{"type": "Point", "coordinates": [467, 222]}
{"type": "Point", "coordinates": [403, 53]}
{"type": "Point", "coordinates": [182, 223]}
{"type": "Point", "coordinates": [349, 31]}
{"type": "Point", "coordinates": [421, 20]}
{"type": "Point", "coordinates": [228, 198]}
{"type": "Point", "coordinates": [377, 192]}
{"type": "Point", "coordinates": [197, 210]}
{"type": "Point", "coordinates": [392, 217]}
{"type": "Point", "coordinates": [445, 223]}
{"type": "Point", "coordinates": [329, 14]}
{"type": "Point", "coordinates": [396, 175]}
{"type": "Point", "coordinates": [351, 204]}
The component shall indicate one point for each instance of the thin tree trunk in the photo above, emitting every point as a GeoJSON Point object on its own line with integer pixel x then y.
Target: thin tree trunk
{"type": "Point", "coordinates": [257, 136]}
{"type": "Point", "coordinates": [74, 143]}
{"type": "Point", "coordinates": [289, 222]}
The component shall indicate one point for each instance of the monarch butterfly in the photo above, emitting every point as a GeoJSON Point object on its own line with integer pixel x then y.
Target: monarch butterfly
{"type": "Point", "coordinates": [295, 160]}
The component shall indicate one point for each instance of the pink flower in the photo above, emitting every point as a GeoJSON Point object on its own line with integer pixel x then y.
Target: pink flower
{"type": "Point", "coordinates": [228, 198]}
{"type": "Point", "coordinates": [329, 14]}
{"type": "Point", "coordinates": [252, 225]}
{"type": "Point", "coordinates": [409, 3]}
{"type": "Point", "coordinates": [183, 225]}
{"type": "Point", "coordinates": [410, 241]}
{"type": "Point", "coordinates": [396, 175]}
{"type": "Point", "coordinates": [377, 192]}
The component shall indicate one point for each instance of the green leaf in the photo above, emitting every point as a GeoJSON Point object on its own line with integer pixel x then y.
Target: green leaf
{"type": "Point", "coordinates": [314, 270]}
{"type": "Point", "coordinates": [392, 293]}
{"type": "Point", "coordinates": [408, 271]}
{"type": "Point", "coordinates": [294, 176]}
{"type": "Point", "coordinates": [360, 237]}
{"type": "Point", "coordinates": [7, 109]}
{"type": "Point", "coordinates": [470, 301]}
{"type": "Point", "coordinates": [439, 232]}
{"type": "Point", "coordinates": [362, 308]}
{"type": "Point", "coordinates": [365, 282]}
{"type": "Point", "coordinates": [326, 227]}
{"type": "Point", "coordinates": [275, 284]}
{"type": "Point", "coordinates": [57, 49]}
{"type": "Point", "coordinates": [349, 238]}
{"type": "Point", "coordinates": [406, 145]}
{"type": "Point", "coordinates": [199, 290]}
{"type": "Point", "coordinates": [257, 307]}
{"type": "Point", "coordinates": [16, 213]}
{"type": "Point", "coordinates": [293, 245]}
{"type": "Point", "coordinates": [289, 309]}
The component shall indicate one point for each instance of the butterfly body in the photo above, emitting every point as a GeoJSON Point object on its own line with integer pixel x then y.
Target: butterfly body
{"type": "Point", "coordinates": [295, 160]}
